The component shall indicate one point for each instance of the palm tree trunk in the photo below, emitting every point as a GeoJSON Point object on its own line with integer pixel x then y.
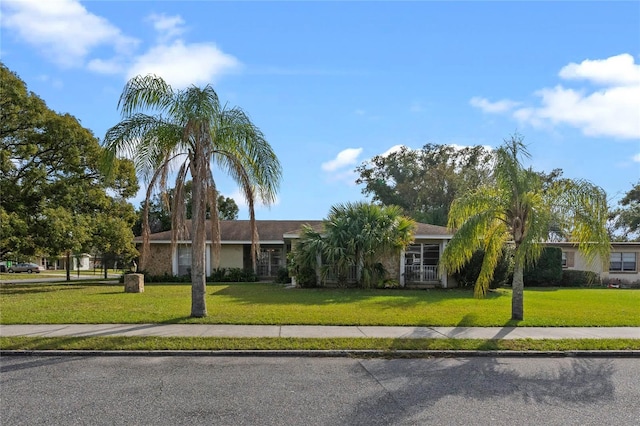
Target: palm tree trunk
{"type": "Point", "coordinates": [198, 240]}
{"type": "Point", "coordinates": [517, 297]}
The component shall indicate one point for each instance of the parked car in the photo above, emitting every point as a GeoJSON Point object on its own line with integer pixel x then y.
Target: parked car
{"type": "Point", "coordinates": [24, 267]}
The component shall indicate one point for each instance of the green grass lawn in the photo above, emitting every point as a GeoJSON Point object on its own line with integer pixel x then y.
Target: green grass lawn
{"type": "Point", "coordinates": [260, 303]}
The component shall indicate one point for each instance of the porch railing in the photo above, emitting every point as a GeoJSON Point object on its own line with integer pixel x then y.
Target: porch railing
{"type": "Point", "coordinates": [332, 276]}
{"type": "Point", "coordinates": [421, 273]}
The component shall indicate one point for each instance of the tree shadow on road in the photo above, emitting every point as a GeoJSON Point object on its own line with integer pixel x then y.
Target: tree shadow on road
{"type": "Point", "coordinates": [409, 387]}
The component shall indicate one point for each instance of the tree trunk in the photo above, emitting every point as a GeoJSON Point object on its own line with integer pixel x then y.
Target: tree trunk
{"type": "Point", "coordinates": [198, 239]}
{"type": "Point", "coordinates": [68, 265]}
{"type": "Point", "coordinates": [517, 296]}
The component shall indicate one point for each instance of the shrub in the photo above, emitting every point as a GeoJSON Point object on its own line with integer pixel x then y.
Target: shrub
{"type": "Point", "coordinates": [282, 276]}
{"type": "Point", "coordinates": [306, 277]}
{"type": "Point", "coordinates": [547, 271]}
{"type": "Point", "coordinates": [468, 275]}
{"type": "Point", "coordinates": [236, 275]}
{"type": "Point", "coordinates": [239, 275]}
{"type": "Point", "coordinates": [574, 278]}
{"type": "Point", "coordinates": [218, 275]}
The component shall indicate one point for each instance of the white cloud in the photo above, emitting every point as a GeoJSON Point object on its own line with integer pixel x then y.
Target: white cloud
{"type": "Point", "coordinates": [636, 158]}
{"type": "Point", "coordinates": [62, 29]}
{"type": "Point", "coordinates": [167, 27]}
{"type": "Point", "coordinates": [485, 105]}
{"type": "Point", "coordinates": [391, 150]}
{"type": "Point", "coordinates": [106, 66]}
{"type": "Point", "coordinates": [183, 64]}
{"type": "Point", "coordinates": [345, 158]}
{"type": "Point", "coordinates": [617, 70]}
{"type": "Point", "coordinates": [610, 111]}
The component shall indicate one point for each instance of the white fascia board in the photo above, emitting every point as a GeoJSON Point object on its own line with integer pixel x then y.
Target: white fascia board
{"type": "Point", "coordinates": [432, 237]}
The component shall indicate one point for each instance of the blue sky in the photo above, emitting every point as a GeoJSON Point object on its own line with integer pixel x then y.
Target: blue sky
{"type": "Point", "coordinates": [332, 84]}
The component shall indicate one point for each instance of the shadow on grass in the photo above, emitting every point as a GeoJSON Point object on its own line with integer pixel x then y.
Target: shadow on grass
{"type": "Point", "coordinates": [34, 289]}
{"type": "Point", "coordinates": [271, 294]}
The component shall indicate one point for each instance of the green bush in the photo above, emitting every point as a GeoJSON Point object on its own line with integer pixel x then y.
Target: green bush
{"type": "Point", "coordinates": [218, 275]}
{"type": "Point", "coordinates": [502, 275]}
{"type": "Point", "coordinates": [306, 277]}
{"type": "Point", "coordinates": [573, 278]}
{"type": "Point", "coordinates": [164, 278]}
{"type": "Point", "coordinates": [235, 275]}
{"type": "Point", "coordinates": [547, 271]}
{"type": "Point", "coordinates": [282, 276]}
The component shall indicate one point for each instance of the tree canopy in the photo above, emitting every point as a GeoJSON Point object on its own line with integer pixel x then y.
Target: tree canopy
{"type": "Point", "coordinates": [424, 182]}
{"type": "Point", "coordinates": [54, 197]}
{"type": "Point", "coordinates": [626, 218]}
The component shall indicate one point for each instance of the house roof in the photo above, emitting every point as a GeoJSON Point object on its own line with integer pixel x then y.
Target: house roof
{"type": "Point", "coordinates": [277, 230]}
{"type": "Point", "coordinates": [240, 230]}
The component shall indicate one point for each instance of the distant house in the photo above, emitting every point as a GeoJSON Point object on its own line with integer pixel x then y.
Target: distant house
{"type": "Point", "coordinates": [417, 266]}
{"type": "Point", "coordinates": [622, 267]}
{"type": "Point", "coordinates": [81, 261]}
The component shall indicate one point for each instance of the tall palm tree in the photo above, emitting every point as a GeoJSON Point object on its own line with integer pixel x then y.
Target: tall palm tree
{"type": "Point", "coordinates": [521, 209]}
{"type": "Point", "coordinates": [162, 130]}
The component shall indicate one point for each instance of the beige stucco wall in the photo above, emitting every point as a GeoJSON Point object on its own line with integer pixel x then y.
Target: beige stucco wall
{"type": "Point", "coordinates": [231, 256]}
{"type": "Point", "coordinates": [160, 261]}
{"type": "Point", "coordinates": [580, 264]}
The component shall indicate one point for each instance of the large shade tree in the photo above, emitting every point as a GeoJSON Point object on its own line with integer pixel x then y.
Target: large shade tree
{"type": "Point", "coordinates": [626, 218]}
{"type": "Point", "coordinates": [522, 209]}
{"type": "Point", "coordinates": [176, 133]}
{"type": "Point", "coordinates": [53, 194]}
{"type": "Point", "coordinates": [424, 182]}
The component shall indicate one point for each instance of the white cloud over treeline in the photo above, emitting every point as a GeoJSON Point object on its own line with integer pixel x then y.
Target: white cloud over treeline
{"type": "Point", "coordinates": [606, 102]}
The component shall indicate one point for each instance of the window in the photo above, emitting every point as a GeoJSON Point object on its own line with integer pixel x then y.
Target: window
{"type": "Point", "coordinates": [184, 260]}
{"type": "Point", "coordinates": [622, 262]}
{"type": "Point", "coordinates": [568, 259]}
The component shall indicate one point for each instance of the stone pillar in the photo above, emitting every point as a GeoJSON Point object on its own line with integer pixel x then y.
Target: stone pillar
{"type": "Point", "coordinates": [134, 283]}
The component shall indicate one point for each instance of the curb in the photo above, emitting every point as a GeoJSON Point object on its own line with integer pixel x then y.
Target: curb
{"type": "Point", "coordinates": [335, 353]}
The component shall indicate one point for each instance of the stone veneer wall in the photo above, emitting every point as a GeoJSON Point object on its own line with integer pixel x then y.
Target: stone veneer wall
{"type": "Point", "coordinates": [392, 265]}
{"type": "Point", "coordinates": [160, 261]}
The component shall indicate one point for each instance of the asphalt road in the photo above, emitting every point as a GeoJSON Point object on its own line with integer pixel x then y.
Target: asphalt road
{"type": "Point", "coordinates": [185, 390]}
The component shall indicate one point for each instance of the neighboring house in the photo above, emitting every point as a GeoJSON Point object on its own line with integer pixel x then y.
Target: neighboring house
{"type": "Point", "coordinates": [418, 266]}
{"type": "Point", "coordinates": [83, 261]}
{"type": "Point", "coordinates": [622, 266]}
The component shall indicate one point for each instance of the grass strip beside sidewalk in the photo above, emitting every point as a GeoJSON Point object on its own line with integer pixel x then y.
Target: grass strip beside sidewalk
{"type": "Point", "coordinates": [122, 343]}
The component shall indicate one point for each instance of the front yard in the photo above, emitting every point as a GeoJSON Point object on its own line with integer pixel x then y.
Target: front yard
{"type": "Point", "coordinates": [260, 303]}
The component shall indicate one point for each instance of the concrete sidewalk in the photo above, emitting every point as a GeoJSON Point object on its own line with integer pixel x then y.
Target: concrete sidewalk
{"type": "Point", "coordinates": [313, 331]}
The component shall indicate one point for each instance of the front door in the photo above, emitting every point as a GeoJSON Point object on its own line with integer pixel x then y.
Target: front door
{"type": "Point", "coordinates": [270, 260]}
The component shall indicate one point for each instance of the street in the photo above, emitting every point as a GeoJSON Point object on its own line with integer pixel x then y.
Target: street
{"type": "Point", "coordinates": [191, 390]}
